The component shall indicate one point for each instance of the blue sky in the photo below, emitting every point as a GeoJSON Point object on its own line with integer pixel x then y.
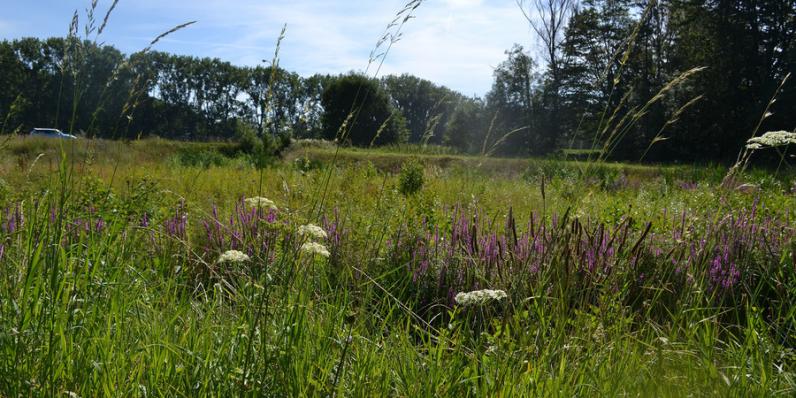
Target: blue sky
{"type": "Point", "coordinates": [452, 42]}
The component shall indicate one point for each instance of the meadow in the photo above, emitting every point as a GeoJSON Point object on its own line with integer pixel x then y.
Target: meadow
{"type": "Point", "coordinates": [164, 268]}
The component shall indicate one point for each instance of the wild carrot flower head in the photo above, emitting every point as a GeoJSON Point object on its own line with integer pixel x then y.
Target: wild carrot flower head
{"type": "Point", "coordinates": [259, 202]}
{"type": "Point", "coordinates": [771, 139]}
{"type": "Point", "coordinates": [315, 248]}
{"type": "Point", "coordinates": [312, 231]}
{"type": "Point", "coordinates": [479, 297]}
{"type": "Point", "coordinates": [233, 256]}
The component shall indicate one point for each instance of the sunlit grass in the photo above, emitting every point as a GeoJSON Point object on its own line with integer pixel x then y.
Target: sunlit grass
{"type": "Point", "coordinates": [126, 307]}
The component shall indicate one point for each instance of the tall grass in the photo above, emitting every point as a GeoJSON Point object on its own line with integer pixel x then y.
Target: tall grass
{"type": "Point", "coordinates": [122, 293]}
{"type": "Point", "coordinates": [630, 281]}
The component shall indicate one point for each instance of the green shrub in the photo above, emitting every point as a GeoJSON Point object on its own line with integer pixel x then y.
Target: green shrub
{"type": "Point", "coordinates": [260, 150]}
{"type": "Point", "coordinates": [248, 141]}
{"type": "Point", "coordinates": [411, 178]}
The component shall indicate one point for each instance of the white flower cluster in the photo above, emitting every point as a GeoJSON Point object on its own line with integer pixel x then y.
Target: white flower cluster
{"type": "Point", "coordinates": [233, 256]}
{"type": "Point", "coordinates": [312, 231]}
{"type": "Point", "coordinates": [315, 248]}
{"type": "Point", "coordinates": [479, 297]}
{"type": "Point", "coordinates": [771, 139]}
{"type": "Point", "coordinates": [260, 202]}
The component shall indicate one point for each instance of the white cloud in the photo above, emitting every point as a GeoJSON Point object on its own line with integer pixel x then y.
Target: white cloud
{"type": "Point", "coordinates": [452, 42]}
{"type": "Point", "coordinates": [459, 46]}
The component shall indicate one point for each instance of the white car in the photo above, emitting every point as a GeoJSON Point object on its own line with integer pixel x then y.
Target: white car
{"type": "Point", "coordinates": [51, 133]}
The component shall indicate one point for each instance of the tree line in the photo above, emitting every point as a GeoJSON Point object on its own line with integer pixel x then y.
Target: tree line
{"type": "Point", "coordinates": [662, 80]}
{"type": "Point", "coordinates": [107, 94]}
{"type": "Point", "coordinates": [655, 80]}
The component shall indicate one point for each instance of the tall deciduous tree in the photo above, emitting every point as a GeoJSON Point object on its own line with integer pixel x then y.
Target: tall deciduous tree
{"type": "Point", "coordinates": [426, 106]}
{"type": "Point", "coordinates": [466, 127]}
{"type": "Point", "coordinates": [549, 19]}
{"type": "Point", "coordinates": [357, 110]}
{"type": "Point", "coordinates": [512, 102]}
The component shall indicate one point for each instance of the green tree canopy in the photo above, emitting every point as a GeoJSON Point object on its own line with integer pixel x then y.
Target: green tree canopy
{"type": "Point", "coordinates": [358, 110]}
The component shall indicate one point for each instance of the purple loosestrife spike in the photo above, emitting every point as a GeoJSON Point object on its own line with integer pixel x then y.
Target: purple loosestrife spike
{"type": "Point", "coordinates": [502, 242]}
{"type": "Point", "coordinates": [527, 251]}
{"type": "Point", "coordinates": [330, 227]}
{"type": "Point", "coordinates": [237, 240]}
{"type": "Point", "coordinates": [535, 267]}
{"type": "Point", "coordinates": [420, 271]}
{"type": "Point", "coordinates": [11, 227]}
{"type": "Point", "coordinates": [590, 260]}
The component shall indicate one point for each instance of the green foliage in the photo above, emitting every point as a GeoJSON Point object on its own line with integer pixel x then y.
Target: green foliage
{"type": "Point", "coordinates": [358, 111]}
{"type": "Point", "coordinates": [261, 150]}
{"type": "Point", "coordinates": [511, 102]}
{"type": "Point", "coordinates": [411, 178]}
{"type": "Point", "coordinates": [201, 158]}
{"type": "Point", "coordinates": [594, 80]}
{"type": "Point", "coordinates": [248, 141]}
{"type": "Point", "coordinates": [142, 198]}
{"type": "Point", "coordinates": [111, 284]}
{"type": "Point", "coordinates": [466, 127]}
{"type": "Point", "coordinates": [108, 268]}
{"type": "Point", "coordinates": [427, 107]}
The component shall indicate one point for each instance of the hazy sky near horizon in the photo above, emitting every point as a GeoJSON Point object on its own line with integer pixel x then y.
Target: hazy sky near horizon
{"type": "Point", "coordinates": [456, 43]}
